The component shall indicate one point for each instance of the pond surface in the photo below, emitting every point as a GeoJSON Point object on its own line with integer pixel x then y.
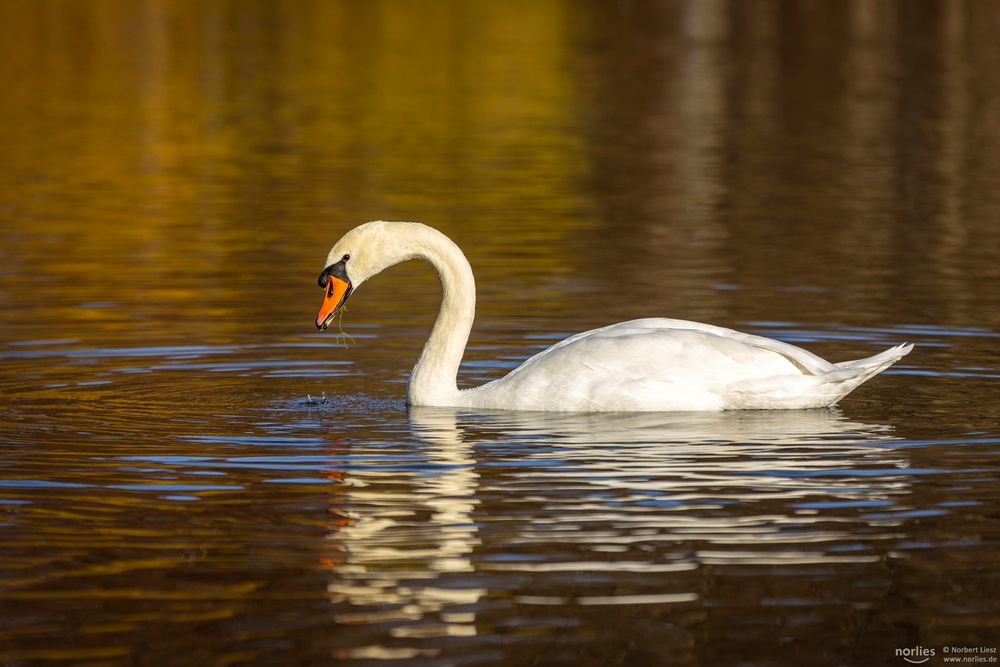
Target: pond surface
{"type": "Point", "coordinates": [190, 474]}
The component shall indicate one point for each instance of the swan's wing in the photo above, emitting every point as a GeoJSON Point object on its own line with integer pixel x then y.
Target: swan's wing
{"type": "Point", "coordinates": [643, 365]}
{"type": "Point", "coordinates": [806, 361]}
{"type": "Point", "coordinates": [663, 364]}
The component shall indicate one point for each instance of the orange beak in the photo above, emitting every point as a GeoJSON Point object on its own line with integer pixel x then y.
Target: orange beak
{"type": "Point", "coordinates": [337, 291]}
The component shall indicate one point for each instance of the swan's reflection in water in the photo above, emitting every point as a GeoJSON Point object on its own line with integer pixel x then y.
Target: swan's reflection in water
{"type": "Point", "coordinates": [407, 532]}
{"type": "Point", "coordinates": [601, 509]}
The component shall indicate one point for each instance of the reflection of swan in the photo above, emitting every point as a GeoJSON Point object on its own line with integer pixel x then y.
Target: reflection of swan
{"type": "Point", "coordinates": [418, 551]}
{"type": "Point", "coordinates": [642, 365]}
{"type": "Point", "coordinates": [384, 546]}
{"type": "Point", "coordinates": [685, 429]}
{"type": "Point", "coordinates": [785, 453]}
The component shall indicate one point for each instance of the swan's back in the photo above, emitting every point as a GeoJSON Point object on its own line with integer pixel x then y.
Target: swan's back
{"type": "Point", "coordinates": [665, 364]}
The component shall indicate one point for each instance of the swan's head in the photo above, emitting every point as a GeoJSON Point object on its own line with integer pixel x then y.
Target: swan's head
{"type": "Point", "coordinates": [362, 252]}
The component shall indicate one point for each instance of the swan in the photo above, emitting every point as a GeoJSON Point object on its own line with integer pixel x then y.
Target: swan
{"type": "Point", "coordinates": [653, 364]}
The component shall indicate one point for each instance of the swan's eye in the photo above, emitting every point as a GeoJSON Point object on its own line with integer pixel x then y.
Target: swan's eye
{"type": "Point", "coordinates": [345, 257]}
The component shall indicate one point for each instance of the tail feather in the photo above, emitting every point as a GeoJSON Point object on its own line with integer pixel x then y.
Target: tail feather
{"type": "Point", "coordinates": [811, 390]}
{"type": "Point", "coordinates": [862, 370]}
{"type": "Point", "coordinates": [880, 361]}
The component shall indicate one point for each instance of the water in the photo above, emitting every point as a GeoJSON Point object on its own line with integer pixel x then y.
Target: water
{"type": "Point", "coordinates": [190, 474]}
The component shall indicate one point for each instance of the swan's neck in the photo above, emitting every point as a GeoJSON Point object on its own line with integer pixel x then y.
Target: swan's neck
{"type": "Point", "coordinates": [434, 378]}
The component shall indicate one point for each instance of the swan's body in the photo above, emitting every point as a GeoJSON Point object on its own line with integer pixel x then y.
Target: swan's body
{"type": "Point", "coordinates": [641, 365]}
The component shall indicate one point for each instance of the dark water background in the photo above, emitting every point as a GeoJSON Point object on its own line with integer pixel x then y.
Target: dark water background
{"type": "Point", "coordinates": [191, 475]}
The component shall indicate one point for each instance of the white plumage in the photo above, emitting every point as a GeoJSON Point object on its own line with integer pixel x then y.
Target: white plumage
{"type": "Point", "coordinates": [651, 364]}
{"type": "Point", "coordinates": [663, 364]}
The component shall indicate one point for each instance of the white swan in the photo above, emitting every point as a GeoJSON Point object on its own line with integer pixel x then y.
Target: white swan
{"type": "Point", "coordinates": [641, 365]}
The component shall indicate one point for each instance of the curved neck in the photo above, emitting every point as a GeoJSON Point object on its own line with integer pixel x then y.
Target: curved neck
{"type": "Point", "coordinates": [434, 378]}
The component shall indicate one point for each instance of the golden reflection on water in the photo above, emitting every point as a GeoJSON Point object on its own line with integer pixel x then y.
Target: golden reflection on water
{"type": "Point", "coordinates": [188, 150]}
{"type": "Point", "coordinates": [188, 469]}
{"type": "Point", "coordinates": [278, 125]}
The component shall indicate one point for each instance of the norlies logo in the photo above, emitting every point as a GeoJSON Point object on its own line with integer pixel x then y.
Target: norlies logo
{"type": "Point", "coordinates": [917, 655]}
